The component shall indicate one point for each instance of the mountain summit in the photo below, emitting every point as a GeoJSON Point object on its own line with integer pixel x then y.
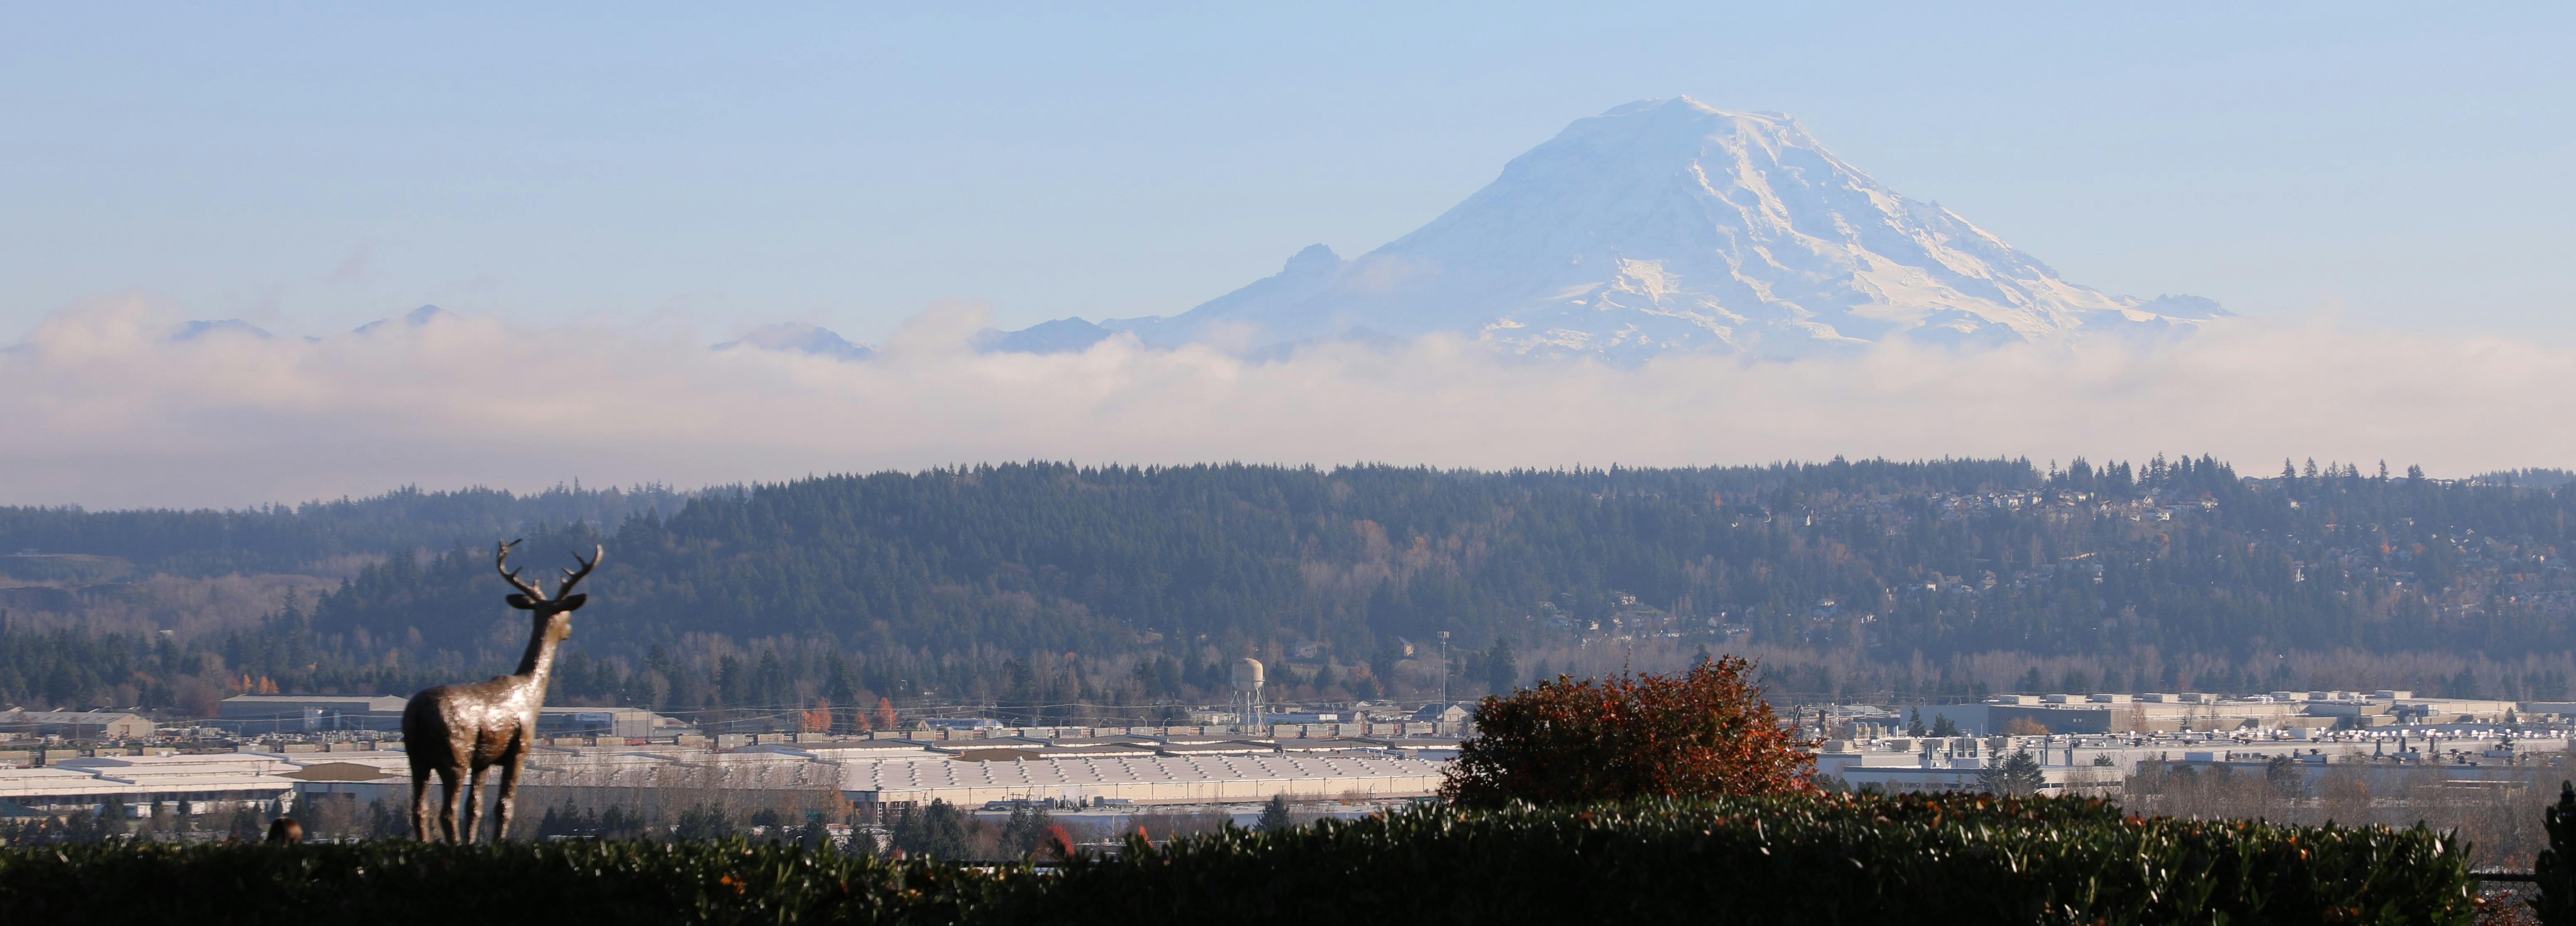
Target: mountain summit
{"type": "Point", "coordinates": [1667, 225]}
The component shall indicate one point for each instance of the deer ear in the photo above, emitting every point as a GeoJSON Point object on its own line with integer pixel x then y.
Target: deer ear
{"type": "Point", "coordinates": [571, 604]}
{"type": "Point", "coordinates": [521, 602]}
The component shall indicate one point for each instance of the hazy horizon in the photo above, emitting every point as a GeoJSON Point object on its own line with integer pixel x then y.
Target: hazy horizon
{"type": "Point", "coordinates": [119, 415]}
{"type": "Point", "coordinates": [597, 197]}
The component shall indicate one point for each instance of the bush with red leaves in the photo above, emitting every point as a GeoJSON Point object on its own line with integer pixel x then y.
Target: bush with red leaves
{"type": "Point", "coordinates": [1701, 733]}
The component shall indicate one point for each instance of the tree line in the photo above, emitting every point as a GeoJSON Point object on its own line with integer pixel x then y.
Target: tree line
{"type": "Point", "coordinates": [1045, 587]}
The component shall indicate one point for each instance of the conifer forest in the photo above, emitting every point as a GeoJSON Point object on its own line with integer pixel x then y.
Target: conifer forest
{"type": "Point", "coordinates": [1058, 591]}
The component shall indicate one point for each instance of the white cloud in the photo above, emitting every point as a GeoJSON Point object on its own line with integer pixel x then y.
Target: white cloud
{"type": "Point", "coordinates": [98, 408]}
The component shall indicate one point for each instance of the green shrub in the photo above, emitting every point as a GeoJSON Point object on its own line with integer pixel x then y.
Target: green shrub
{"type": "Point", "coordinates": [572, 881]}
{"type": "Point", "coordinates": [1948, 859]}
{"type": "Point", "coordinates": [1959, 858]}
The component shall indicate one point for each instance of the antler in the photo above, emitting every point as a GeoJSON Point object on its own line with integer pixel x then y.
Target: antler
{"type": "Point", "coordinates": [501, 562]}
{"type": "Point", "coordinates": [572, 578]}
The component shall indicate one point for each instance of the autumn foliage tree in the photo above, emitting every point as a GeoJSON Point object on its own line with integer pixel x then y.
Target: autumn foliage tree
{"type": "Point", "coordinates": [1706, 731]}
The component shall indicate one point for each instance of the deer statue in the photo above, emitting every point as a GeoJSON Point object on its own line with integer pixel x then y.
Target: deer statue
{"type": "Point", "coordinates": [456, 731]}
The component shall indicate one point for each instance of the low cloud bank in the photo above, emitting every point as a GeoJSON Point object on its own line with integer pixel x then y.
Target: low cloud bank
{"type": "Point", "coordinates": [100, 407]}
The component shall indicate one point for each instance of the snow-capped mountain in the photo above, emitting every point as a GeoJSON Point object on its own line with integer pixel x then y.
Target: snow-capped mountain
{"type": "Point", "coordinates": [1665, 225]}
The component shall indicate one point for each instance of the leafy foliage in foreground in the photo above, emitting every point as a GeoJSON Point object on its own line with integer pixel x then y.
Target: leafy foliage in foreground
{"type": "Point", "coordinates": [2556, 865]}
{"type": "Point", "coordinates": [1846, 859]}
{"type": "Point", "coordinates": [1786, 859]}
{"type": "Point", "coordinates": [572, 881]}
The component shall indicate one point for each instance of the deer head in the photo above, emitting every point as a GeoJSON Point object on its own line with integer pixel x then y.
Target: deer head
{"type": "Point", "coordinates": [552, 611]}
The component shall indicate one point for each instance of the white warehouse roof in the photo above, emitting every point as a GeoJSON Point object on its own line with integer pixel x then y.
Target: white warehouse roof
{"type": "Point", "coordinates": [226, 776]}
{"type": "Point", "coordinates": [1143, 779]}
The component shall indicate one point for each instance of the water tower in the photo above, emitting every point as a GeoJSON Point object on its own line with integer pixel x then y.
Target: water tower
{"type": "Point", "coordinates": [1247, 692]}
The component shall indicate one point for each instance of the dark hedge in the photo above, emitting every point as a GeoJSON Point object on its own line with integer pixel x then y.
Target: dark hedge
{"type": "Point", "coordinates": [1946, 859]}
{"type": "Point", "coordinates": [1834, 859]}
{"type": "Point", "coordinates": [571, 881]}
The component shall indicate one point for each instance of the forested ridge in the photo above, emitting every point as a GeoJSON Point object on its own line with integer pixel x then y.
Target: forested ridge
{"type": "Point", "coordinates": [282, 537]}
{"type": "Point", "coordinates": [1098, 584]}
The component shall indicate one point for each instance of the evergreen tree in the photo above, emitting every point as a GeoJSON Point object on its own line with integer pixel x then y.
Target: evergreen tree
{"type": "Point", "coordinates": [937, 831]}
{"type": "Point", "coordinates": [1501, 669]}
{"type": "Point", "coordinates": [384, 821]}
{"type": "Point", "coordinates": [554, 824]}
{"type": "Point", "coordinates": [704, 821]}
{"type": "Point", "coordinates": [2283, 775]}
{"type": "Point", "coordinates": [245, 826]}
{"type": "Point", "coordinates": [617, 822]}
{"type": "Point", "coordinates": [1026, 830]}
{"type": "Point", "coordinates": [2018, 775]}
{"type": "Point", "coordinates": [1274, 815]}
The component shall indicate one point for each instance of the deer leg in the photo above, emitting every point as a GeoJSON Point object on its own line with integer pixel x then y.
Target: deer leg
{"type": "Point", "coordinates": [474, 804]}
{"type": "Point", "coordinates": [451, 779]}
{"type": "Point", "coordinates": [420, 804]}
{"type": "Point", "coordinates": [509, 798]}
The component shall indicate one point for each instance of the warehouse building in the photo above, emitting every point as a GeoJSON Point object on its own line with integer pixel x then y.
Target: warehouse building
{"type": "Point", "coordinates": [186, 784]}
{"type": "Point", "coordinates": [75, 725]}
{"type": "Point", "coordinates": [256, 714]}
{"type": "Point", "coordinates": [883, 787]}
{"type": "Point", "coordinates": [2097, 763]}
{"type": "Point", "coordinates": [617, 722]}
{"type": "Point", "coordinates": [2190, 712]}
{"type": "Point", "coordinates": [304, 713]}
{"type": "Point", "coordinates": [882, 776]}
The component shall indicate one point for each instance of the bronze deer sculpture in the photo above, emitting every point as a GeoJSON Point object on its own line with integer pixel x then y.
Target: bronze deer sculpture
{"type": "Point", "coordinates": [457, 731]}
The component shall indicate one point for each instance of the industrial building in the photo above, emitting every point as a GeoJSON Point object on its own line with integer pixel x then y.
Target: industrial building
{"type": "Point", "coordinates": [618, 722]}
{"type": "Point", "coordinates": [1205, 779]}
{"type": "Point", "coordinates": [257, 714]}
{"type": "Point", "coordinates": [881, 776]}
{"type": "Point", "coordinates": [76, 725]}
{"type": "Point", "coordinates": [2097, 763]}
{"type": "Point", "coordinates": [2179, 713]}
{"type": "Point", "coordinates": [143, 785]}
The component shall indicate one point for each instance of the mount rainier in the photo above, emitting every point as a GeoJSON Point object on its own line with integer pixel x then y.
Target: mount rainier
{"type": "Point", "coordinates": [1659, 226]}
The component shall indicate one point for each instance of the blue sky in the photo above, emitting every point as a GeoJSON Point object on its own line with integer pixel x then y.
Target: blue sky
{"type": "Point", "coordinates": [313, 167]}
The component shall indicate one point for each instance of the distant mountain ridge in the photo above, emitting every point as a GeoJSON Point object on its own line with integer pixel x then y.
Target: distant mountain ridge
{"type": "Point", "coordinates": [1666, 225]}
{"type": "Point", "coordinates": [195, 330]}
{"type": "Point", "coordinates": [951, 578]}
{"type": "Point", "coordinates": [1658, 227]}
{"type": "Point", "coordinates": [801, 338]}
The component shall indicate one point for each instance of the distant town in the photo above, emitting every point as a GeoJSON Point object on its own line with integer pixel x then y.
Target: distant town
{"type": "Point", "coordinates": [336, 760]}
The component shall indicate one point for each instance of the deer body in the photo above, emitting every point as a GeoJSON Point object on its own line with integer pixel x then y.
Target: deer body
{"type": "Point", "coordinates": [460, 732]}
